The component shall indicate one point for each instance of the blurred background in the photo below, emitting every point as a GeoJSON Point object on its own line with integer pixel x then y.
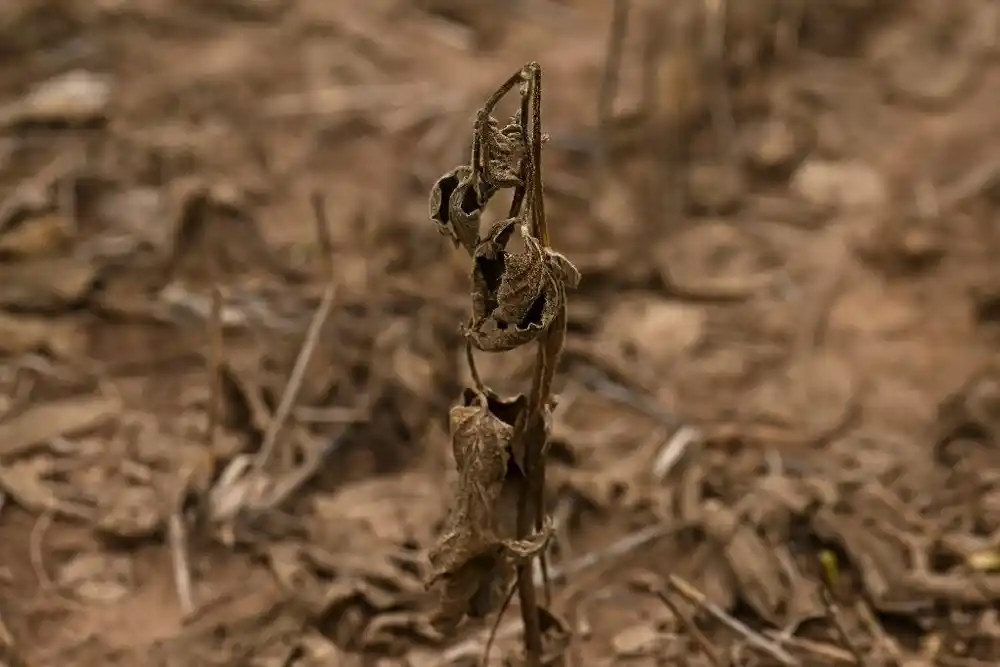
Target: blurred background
{"type": "Point", "coordinates": [779, 385]}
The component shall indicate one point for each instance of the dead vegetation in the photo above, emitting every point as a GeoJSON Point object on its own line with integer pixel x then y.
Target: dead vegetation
{"type": "Point", "coordinates": [243, 423]}
{"type": "Point", "coordinates": [497, 525]}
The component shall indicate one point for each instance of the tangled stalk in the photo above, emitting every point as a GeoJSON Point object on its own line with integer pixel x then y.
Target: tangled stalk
{"type": "Point", "coordinates": [498, 524]}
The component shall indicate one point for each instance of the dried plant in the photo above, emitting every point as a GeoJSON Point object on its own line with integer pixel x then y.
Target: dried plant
{"type": "Point", "coordinates": [497, 525]}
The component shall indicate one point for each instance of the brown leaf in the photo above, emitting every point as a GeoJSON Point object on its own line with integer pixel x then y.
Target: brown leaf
{"type": "Point", "coordinates": [489, 264]}
{"type": "Point", "coordinates": [43, 235]}
{"type": "Point", "coordinates": [530, 292]}
{"type": "Point", "coordinates": [502, 152]}
{"type": "Point", "coordinates": [474, 559]}
{"type": "Point", "coordinates": [481, 431]}
{"type": "Point", "coordinates": [45, 283]}
{"type": "Point", "coordinates": [41, 423]}
{"type": "Point", "coordinates": [456, 203]}
{"type": "Point", "coordinates": [523, 286]}
{"type": "Point", "coordinates": [563, 269]}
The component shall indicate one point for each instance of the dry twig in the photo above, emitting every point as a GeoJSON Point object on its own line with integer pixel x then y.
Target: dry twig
{"type": "Point", "coordinates": [755, 639]}
{"type": "Point", "coordinates": [177, 536]}
{"type": "Point", "coordinates": [689, 625]}
{"type": "Point", "coordinates": [291, 391]}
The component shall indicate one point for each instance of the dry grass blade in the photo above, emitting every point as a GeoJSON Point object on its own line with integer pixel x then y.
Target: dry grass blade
{"type": "Point", "coordinates": [291, 391]}
{"type": "Point", "coordinates": [177, 536]}
{"type": "Point", "coordinates": [689, 625]}
{"type": "Point", "coordinates": [753, 638]}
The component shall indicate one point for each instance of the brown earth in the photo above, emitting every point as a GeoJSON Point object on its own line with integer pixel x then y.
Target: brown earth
{"type": "Point", "coordinates": [779, 400]}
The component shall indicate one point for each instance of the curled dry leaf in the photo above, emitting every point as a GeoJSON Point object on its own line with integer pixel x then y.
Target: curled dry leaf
{"type": "Point", "coordinates": [516, 296]}
{"type": "Point", "coordinates": [456, 204]}
{"type": "Point", "coordinates": [489, 264]}
{"type": "Point", "coordinates": [502, 151]}
{"type": "Point", "coordinates": [476, 555]}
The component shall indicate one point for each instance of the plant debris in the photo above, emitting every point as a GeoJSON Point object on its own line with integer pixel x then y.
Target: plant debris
{"type": "Point", "coordinates": [239, 425]}
{"type": "Point", "coordinates": [496, 527]}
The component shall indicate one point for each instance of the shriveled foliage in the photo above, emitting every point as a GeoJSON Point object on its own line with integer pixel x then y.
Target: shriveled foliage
{"type": "Point", "coordinates": [497, 525]}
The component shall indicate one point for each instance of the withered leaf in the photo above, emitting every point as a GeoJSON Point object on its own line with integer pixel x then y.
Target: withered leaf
{"type": "Point", "coordinates": [489, 264]}
{"type": "Point", "coordinates": [476, 554]}
{"type": "Point", "coordinates": [525, 281]}
{"type": "Point", "coordinates": [563, 269]}
{"type": "Point", "coordinates": [481, 430]}
{"type": "Point", "coordinates": [502, 151]}
{"type": "Point", "coordinates": [531, 292]}
{"type": "Point", "coordinates": [41, 423]}
{"type": "Point", "coordinates": [44, 235]}
{"type": "Point", "coordinates": [46, 282]}
{"type": "Point", "coordinates": [456, 203]}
